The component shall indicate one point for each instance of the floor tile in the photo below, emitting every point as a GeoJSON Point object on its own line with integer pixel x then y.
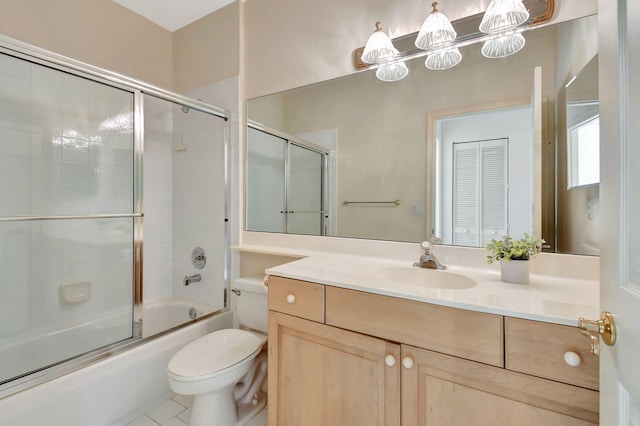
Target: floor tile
{"type": "Point", "coordinates": [184, 400]}
{"type": "Point", "coordinates": [185, 415]}
{"type": "Point", "coordinates": [174, 422]}
{"type": "Point", "coordinates": [142, 421]}
{"type": "Point", "coordinates": [166, 411]}
{"type": "Point", "coordinates": [259, 420]}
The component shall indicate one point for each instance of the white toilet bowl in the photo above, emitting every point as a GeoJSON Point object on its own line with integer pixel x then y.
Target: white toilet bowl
{"type": "Point", "coordinates": [209, 368]}
{"type": "Point", "coordinates": [224, 369]}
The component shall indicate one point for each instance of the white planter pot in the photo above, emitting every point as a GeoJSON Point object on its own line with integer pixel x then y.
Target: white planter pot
{"type": "Point", "coordinates": [515, 271]}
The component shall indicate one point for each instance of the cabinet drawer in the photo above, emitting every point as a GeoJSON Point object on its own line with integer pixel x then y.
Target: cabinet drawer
{"type": "Point", "coordinates": [467, 334]}
{"type": "Point", "coordinates": [298, 298]}
{"type": "Point", "coordinates": [538, 349]}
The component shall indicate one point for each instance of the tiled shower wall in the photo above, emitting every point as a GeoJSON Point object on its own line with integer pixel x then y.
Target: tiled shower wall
{"type": "Point", "coordinates": [158, 199]}
{"type": "Point", "coordinates": [65, 149]}
{"type": "Point", "coordinates": [184, 201]}
{"type": "Point", "coordinates": [199, 205]}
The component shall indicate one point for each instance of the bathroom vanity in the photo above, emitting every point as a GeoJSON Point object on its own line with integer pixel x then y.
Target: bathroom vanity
{"type": "Point", "coordinates": [349, 346]}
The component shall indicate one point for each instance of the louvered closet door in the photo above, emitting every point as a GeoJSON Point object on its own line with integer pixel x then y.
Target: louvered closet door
{"type": "Point", "coordinates": [465, 194]}
{"type": "Point", "coordinates": [479, 192]}
{"type": "Point", "coordinates": [493, 189]}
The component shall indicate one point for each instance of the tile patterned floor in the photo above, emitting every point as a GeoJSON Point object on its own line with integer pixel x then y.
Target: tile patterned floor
{"type": "Point", "coordinates": [176, 412]}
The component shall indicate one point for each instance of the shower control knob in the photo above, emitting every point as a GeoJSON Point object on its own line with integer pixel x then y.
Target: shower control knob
{"type": "Point", "coordinates": [291, 298]}
{"type": "Point", "coordinates": [198, 258]}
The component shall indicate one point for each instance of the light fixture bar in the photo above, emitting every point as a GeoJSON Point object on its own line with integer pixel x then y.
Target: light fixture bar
{"type": "Point", "coordinates": [541, 11]}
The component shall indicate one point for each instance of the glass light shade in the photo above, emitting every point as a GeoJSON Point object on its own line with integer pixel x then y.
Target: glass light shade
{"type": "Point", "coordinates": [436, 30]}
{"type": "Point", "coordinates": [500, 47]}
{"type": "Point", "coordinates": [379, 47]}
{"type": "Point", "coordinates": [392, 72]}
{"type": "Point", "coordinates": [502, 15]}
{"type": "Point", "coordinates": [443, 59]}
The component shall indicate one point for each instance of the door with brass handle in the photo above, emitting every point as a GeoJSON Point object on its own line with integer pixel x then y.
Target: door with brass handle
{"type": "Point", "coordinates": [605, 327]}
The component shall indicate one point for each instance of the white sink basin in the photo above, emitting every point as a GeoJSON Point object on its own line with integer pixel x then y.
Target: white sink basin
{"type": "Point", "coordinates": [432, 278]}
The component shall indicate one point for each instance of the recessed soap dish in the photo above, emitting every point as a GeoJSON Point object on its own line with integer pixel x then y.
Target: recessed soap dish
{"type": "Point", "coordinates": [75, 292]}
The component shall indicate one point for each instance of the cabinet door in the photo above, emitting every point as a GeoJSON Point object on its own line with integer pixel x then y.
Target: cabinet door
{"type": "Point", "coordinates": [443, 390]}
{"type": "Point", "coordinates": [322, 375]}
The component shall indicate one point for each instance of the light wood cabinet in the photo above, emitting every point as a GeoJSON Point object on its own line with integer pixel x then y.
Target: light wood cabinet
{"type": "Point", "coordinates": [298, 298]}
{"type": "Point", "coordinates": [538, 348]}
{"type": "Point", "coordinates": [441, 390]}
{"type": "Point", "coordinates": [472, 335]}
{"type": "Point", "coordinates": [378, 360]}
{"type": "Point", "coordinates": [321, 376]}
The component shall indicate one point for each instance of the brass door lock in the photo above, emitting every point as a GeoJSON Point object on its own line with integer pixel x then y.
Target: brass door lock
{"type": "Point", "coordinates": [605, 327]}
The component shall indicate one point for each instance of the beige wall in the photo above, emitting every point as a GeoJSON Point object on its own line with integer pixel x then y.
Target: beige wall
{"type": "Point", "coordinates": [207, 50]}
{"type": "Point", "coordinates": [99, 32]}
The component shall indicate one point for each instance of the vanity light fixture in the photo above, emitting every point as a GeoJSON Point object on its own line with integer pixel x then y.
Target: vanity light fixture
{"type": "Point", "coordinates": [392, 72]}
{"type": "Point", "coordinates": [501, 30]}
{"type": "Point", "coordinates": [438, 33]}
{"type": "Point", "coordinates": [436, 30]}
{"type": "Point", "coordinates": [379, 49]}
{"type": "Point", "coordinates": [443, 59]}
{"type": "Point", "coordinates": [502, 46]}
{"type": "Point", "coordinates": [501, 17]}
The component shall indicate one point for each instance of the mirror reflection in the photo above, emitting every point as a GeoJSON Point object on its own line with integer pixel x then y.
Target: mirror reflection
{"type": "Point", "coordinates": [462, 155]}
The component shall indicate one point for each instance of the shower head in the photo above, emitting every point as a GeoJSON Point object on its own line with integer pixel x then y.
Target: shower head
{"type": "Point", "coordinates": [185, 109]}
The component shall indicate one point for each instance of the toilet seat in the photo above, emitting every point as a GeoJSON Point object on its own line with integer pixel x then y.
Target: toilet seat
{"type": "Point", "coordinates": [210, 355]}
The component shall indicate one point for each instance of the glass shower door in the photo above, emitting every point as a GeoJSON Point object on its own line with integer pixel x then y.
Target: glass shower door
{"type": "Point", "coordinates": [306, 186]}
{"type": "Point", "coordinates": [185, 209]}
{"type": "Point", "coordinates": [286, 185]}
{"type": "Point", "coordinates": [266, 172]}
{"type": "Point", "coordinates": [66, 216]}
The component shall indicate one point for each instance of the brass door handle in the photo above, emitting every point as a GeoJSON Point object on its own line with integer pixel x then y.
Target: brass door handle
{"type": "Point", "coordinates": [605, 327]}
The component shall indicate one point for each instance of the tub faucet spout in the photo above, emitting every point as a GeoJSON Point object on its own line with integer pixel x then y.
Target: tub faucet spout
{"type": "Point", "coordinates": [192, 279]}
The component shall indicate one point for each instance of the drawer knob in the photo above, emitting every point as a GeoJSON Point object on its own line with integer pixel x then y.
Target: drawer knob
{"type": "Point", "coordinates": [291, 298]}
{"type": "Point", "coordinates": [390, 360]}
{"type": "Point", "coordinates": [572, 358]}
{"type": "Point", "coordinates": [407, 362]}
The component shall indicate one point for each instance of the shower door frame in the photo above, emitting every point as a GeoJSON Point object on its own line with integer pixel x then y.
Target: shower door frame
{"type": "Point", "coordinates": [290, 140]}
{"type": "Point", "coordinates": [137, 88]}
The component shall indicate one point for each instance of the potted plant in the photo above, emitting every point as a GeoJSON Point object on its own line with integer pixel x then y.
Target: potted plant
{"type": "Point", "coordinates": [514, 256]}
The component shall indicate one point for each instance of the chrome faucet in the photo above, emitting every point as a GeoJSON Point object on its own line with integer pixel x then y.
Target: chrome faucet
{"type": "Point", "coordinates": [428, 259]}
{"type": "Point", "coordinates": [192, 279]}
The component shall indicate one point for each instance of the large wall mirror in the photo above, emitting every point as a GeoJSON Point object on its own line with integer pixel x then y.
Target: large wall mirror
{"type": "Point", "coordinates": [462, 155]}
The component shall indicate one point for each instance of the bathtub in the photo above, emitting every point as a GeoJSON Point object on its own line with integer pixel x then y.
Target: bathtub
{"type": "Point", "coordinates": [113, 391]}
{"type": "Point", "coordinates": [165, 314]}
{"type": "Point", "coordinates": [30, 352]}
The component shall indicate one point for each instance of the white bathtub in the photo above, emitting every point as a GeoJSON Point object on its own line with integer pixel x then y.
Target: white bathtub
{"type": "Point", "coordinates": [32, 351]}
{"type": "Point", "coordinates": [110, 392]}
{"type": "Point", "coordinates": [165, 314]}
{"type": "Point", "coordinates": [29, 353]}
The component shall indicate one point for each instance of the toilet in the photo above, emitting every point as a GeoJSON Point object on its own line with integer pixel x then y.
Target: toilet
{"type": "Point", "coordinates": [225, 370]}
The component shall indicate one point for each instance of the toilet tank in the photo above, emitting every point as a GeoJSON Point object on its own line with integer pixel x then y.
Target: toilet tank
{"type": "Point", "coordinates": [251, 305]}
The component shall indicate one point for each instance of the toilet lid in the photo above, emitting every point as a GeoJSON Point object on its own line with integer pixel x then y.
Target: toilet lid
{"type": "Point", "coordinates": [213, 352]}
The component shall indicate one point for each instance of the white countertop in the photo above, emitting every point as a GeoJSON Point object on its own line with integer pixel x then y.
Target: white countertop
{"type": "Point", "coordinates": [545, 298]}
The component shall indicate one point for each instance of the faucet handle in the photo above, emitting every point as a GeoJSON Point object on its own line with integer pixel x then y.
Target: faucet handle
{"type": "Point", "coordinates": [426, 246]}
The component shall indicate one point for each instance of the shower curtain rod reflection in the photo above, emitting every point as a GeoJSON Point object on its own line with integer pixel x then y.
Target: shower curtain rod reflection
{"type": "Point", "coordinates": [70, 217]}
